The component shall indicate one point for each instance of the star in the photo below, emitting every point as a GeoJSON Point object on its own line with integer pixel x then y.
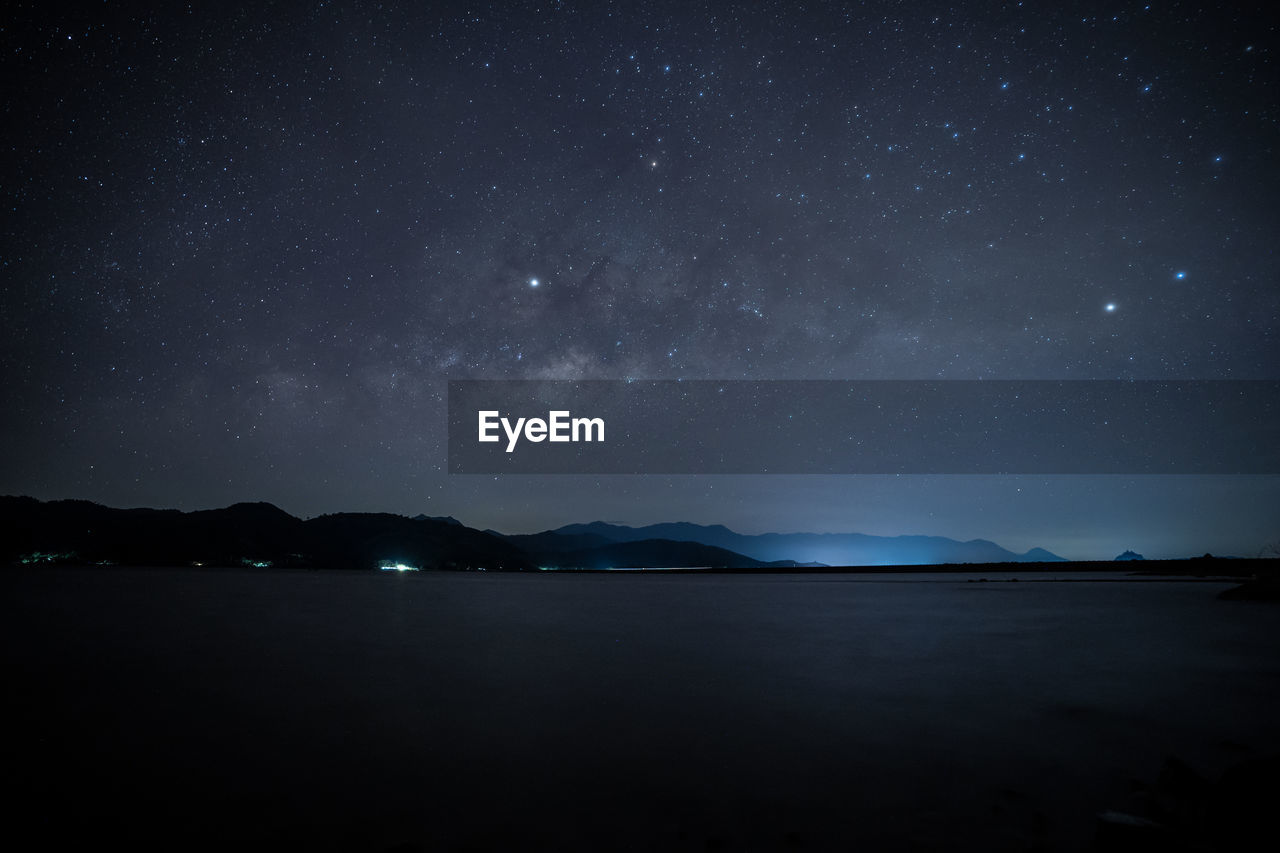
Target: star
{"type": "Point", "coordinates": [318, 260]}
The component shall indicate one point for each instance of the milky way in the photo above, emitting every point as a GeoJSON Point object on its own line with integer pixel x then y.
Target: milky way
{"type": "Point", "coordinates": [244, 251]}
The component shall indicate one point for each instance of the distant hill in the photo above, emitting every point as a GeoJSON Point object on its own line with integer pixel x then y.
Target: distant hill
{"type": "Point", "coordinates": [552, 543]}
{"type": "Point", "coordinates": [260, 534]}
{"type": "Point", "coordinates": [447, 519]}
{"type": "Point", "coordinates": [241, 534]}
{"type": "Point", "coordinates": [832, 549]}
{"type": "Point", "coordinates": [364, 539]}
{"type": "Point", "coordinates": [651, 553]}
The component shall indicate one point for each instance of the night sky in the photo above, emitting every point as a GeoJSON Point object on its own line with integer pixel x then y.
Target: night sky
{"type": "Point", "coordinates": [243, 251]}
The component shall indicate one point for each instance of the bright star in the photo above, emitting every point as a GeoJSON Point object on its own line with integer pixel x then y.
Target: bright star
{"type": "Point", "coordinates": [1180, 275]}
{"type": "Point", "coordinates": [533, 282]}
{"type": "Point", "coordinates": [1111, 307]}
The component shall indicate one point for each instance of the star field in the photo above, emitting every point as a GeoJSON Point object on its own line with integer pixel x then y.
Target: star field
{"type": "Point", "coordinates": [243, 250]}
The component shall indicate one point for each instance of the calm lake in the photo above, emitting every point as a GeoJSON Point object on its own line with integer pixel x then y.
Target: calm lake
{"type": "Point", "coordinates": [373, 711]}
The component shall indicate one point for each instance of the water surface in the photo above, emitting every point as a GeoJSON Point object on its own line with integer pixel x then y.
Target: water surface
{"type": "Point", "coordinates": [639, 711]}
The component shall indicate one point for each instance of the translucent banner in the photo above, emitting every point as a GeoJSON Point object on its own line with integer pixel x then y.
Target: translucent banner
{"type": "Point", "coordinates": [864, 427]}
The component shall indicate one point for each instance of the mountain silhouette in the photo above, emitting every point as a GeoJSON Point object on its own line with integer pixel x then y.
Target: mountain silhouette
{"type": "Point", "coordinates": [652, 553]}
{"type": "Point", "coordinates": [260, 534]}
{"type": "Point", "coordinates": [447, 519]}
{"type": "Point", "coordinates": [241, 534]}
{"type": "Point", "coordinates": [832, 549]}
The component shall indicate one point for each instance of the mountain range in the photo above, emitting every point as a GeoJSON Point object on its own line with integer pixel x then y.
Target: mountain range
{"type": "Point", "coordinates": [831, 549]}
{"type": "Point", "coordinates": [251, 534]}
{"type": "Point", "coordinates": [260, 534]}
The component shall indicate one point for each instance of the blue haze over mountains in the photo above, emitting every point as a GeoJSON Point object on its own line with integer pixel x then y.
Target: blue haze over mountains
{"type": "Point", "coordinates": [832, 549]}
{"type": "Point", "coordinates": [83, 532]}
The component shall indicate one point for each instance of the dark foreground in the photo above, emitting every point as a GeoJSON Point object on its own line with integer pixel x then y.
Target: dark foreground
{"type": "Point", "coordinates": [364, 711]}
